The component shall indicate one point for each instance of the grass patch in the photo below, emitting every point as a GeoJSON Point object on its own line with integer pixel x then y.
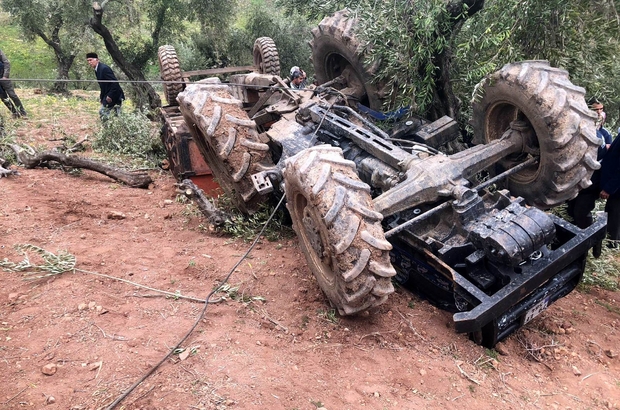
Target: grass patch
{"type": "Point", "coordinates": [247, 227]}
{"type": "Point", "coordinates": [130, 135]}
{"type": "Point", "coordinates": [604, 271]}
{"type": "Point", "coordinates": [28, 59]}
{"type": "Point", "coordinates": [608, 306]}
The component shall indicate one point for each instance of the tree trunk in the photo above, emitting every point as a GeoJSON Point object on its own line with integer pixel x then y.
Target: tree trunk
{"type": "Point", "coordinates": [33, 160]}
{"type": "Point", "coordinates": [132, 72]}
{"type": "Point", "coordinates": [444, 100]}
{"type": "Point", "coordinates": [64, 60]}
{"type": "Point", "coordinates": [64, 65]}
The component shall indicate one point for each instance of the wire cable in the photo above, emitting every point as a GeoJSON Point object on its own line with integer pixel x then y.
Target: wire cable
{"type": "Point", "coordinates": [126, 393]}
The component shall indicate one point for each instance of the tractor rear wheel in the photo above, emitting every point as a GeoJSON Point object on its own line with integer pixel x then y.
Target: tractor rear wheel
{"type": "Point", "coordinates": [170, 70]}
{"type": "Point", "coordinates": [336, 51]}
{"type": "Point", "coordinates": [339, 231]}
{"type": "Point", "coordinates": [227, 139]}
{"type": "Point", "coordinates": [266, 58]}
{"type": "Point", "coordinates": [565, 139]}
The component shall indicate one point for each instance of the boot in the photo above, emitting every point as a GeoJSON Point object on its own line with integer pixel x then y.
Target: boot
{"type": "Point", "coordinates": [19, 106]}
{"type": "Point", "coordinates": [597, 249]}
{"type": "Point", "coordinates": [10, 106]}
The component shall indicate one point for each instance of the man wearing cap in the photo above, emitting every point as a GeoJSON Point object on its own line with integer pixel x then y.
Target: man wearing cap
{"type": "Point", "coordinates": [7, 92]}
{"type": "Point", "coordinates": [111, 96]}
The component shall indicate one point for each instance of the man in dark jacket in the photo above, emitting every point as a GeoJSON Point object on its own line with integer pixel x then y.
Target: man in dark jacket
{"type": "Point", "coordinates": [111, 96]}
{"type": "Point", "coordinates": [7, 92]}
{"type": "Point", "coordinates": [580, 208]}
{"type": "Point", "coordinates": [610, 190]}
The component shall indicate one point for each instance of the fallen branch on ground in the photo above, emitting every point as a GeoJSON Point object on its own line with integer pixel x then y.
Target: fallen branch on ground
{"type": "Point", "coordinates": [215, 216]}
{"type": "Point", "coordinates": [31, 159]}
{"type": "Point", "coordinates": [5, 172]}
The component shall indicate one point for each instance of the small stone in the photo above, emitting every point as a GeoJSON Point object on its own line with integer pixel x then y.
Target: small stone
{"type": "Point", "coordinates": [82, 236]}
{"type": "Point", "coordinates": [561, 331]}
{"type": "Point", "coordinates": [82, 306]}
{"type": "Point", "coordinates": [92, 305]}
{"type": "Point", "coordinates": [49, 369]}
{"type": "Point", "coordinates": [94, 366]}
{"type": "Point", "coordinates": [422, 372]}
{"type": "Point", "coordinates": [501, 349]}
{"type": "Point", "coordinates": [50, 400]}
{"type": "Point", "coordinates": [116, 215]}
{"type": "Point", "coordinates": [13, 296]}
{"type": "Point", "coordinates": [611, 354]}
{"type": "Point", "coordinates": [376, 394]}
{"type": "Point", "coordinates": [576, 371]}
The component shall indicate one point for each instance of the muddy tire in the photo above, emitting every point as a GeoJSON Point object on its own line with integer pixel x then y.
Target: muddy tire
{"type": "Point", "coordinates": [339, 232]}
{"type": "Point", "coordinates": [266, 57]}
{"type": "Point", "coordinates": [170, 70]}
{"type": "Point", "coordinates": [335, 48]}
{"type": "Point", "coordinates": [227, 139]}
{"type": "Point", "coordinates": [565, 138]}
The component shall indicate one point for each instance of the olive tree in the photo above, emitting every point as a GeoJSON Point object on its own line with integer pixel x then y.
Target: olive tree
{"type": "Point", "coordinates": [133, 30]}
{"type": "Point", "coordinates": [581, 36]}
{"type": "Point", "coordinates": [412, 42]}
{"type": "Point", "coordinates": [59, 23]}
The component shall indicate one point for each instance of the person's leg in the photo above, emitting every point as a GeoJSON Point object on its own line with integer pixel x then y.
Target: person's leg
{"type": "Point", "coordinates": [612, 207]}
{"type": "Point", "coordinates": [581, 207]}
{"type": "Point", "coordinates": [7, 101]}
{"type": "Point", "coordinates": [7, 85]}
{"type": "Point", "coordinates": [104, 113]}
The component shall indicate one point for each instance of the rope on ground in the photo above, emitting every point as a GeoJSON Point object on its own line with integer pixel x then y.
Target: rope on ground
{"type": "Point", "coordinates": [173, 295]}
{"type": "Point", "coordinates": [126, 393]}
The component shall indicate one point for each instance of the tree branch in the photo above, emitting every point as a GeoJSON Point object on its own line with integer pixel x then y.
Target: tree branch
{"type": "Point", "coordinates": [32, 160]}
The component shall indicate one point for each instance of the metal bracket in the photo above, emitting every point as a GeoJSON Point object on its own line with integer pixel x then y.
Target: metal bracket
{"type": "Point", "coordinates": [262, 183]}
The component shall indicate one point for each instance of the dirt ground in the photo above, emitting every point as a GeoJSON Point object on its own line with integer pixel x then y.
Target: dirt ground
{"type": "Point", "coordinates": [272, 344]}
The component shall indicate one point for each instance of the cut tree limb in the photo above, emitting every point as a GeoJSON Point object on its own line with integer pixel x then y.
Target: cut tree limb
{"type": "Point", "coordinates": [215, 216]}
{"type": "Point", "coordinates": [5, 172]}
{"type": "Point", "coordinates": [32, 159]}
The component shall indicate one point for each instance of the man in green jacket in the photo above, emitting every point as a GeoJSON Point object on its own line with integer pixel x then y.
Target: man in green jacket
{"type": "Point", "coordinates": [7, 92]}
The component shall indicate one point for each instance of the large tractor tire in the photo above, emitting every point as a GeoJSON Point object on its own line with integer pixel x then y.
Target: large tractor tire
{"type": "Point", "coordinates": [227, 139]}
{"type": "Point", "coordinates": [339, 231]}
{"type": "Point", "coordinates": [336, 51]}
{"type": "Point", "coordinates": [266, 57]}
{"type": "Point", "coordinates": [565, 139]}
{"type": "Point", "coordinates": [170, 70]}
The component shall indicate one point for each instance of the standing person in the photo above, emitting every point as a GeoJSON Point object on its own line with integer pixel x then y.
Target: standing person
{"type": "Point", "coordinates": [111, 96]}
{"type": "Point", "coordinates": [601, 115]}
{"type": "Point", "coordinates": [580, 208]}
{"type": "Point", "coordinates": [610, 190]}
{"type": "Point", "coordinates": [7, 92]}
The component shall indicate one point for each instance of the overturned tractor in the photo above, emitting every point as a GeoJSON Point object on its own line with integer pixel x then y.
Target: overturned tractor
{"type": "Point", "coordinates": [371, 206]}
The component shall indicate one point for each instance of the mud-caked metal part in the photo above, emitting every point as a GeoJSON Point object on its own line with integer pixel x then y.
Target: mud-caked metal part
{"type": "Point", "coordinates": [227, 139]}
{"type": "Point", "coordinates": [266, 57]}
{"type": "Point", "coordinates": [563, 138]}
{"type": "Point", "coordinates": [170, 70]}
{"type": "Point", "coordinates": [339, 231]}
{"type": "Point", "coordinates": [336, 52]}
